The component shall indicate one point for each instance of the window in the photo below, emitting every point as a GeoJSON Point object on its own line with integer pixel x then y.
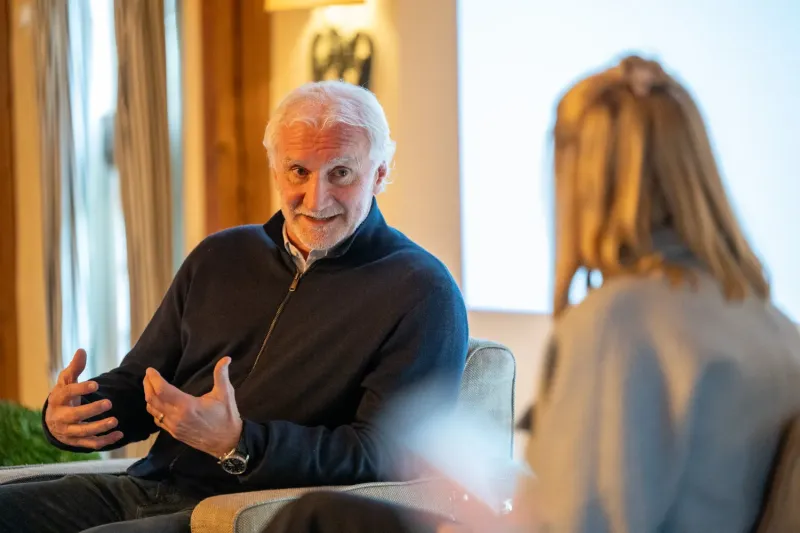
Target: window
{"type": "Point", "coordinates": [94, 286]}
{"type": "Point", "coordinates": [96, 301]}
{"type": "Point", "coordinates": [516, 57]}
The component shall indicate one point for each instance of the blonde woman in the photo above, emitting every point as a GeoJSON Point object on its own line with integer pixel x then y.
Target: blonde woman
{"type": "Point", "coordinates": [666, 389]}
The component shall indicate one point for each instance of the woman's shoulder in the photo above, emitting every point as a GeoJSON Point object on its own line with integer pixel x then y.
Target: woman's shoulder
{"type": "Point", "coordinates": [657, 303]}
{"type": "Point", "coordinates": [688, 329]}
{"type": "Point", "coordinates": [622, 302]}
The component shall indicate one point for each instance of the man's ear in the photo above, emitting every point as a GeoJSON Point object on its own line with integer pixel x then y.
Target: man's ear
{"type": "Point", "coordinates": [380, 176]}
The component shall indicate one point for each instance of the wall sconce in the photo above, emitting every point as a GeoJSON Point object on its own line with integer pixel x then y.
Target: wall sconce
{"type": "Point", "coordinates": [272, 6]}
{"type": "Point", "coordinates": [334, 57]}
{"type": "Point", "coordinates": [340, 48]}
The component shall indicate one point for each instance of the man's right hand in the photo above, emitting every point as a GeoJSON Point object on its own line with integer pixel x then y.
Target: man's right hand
{"type": "Point", "coordinates": [65, 415]}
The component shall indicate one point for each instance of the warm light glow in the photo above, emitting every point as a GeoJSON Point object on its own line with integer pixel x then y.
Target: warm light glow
{"type": "Point", "coordinates": [346, 19]}
{"type": "Point", "coordinates": [291, 5]}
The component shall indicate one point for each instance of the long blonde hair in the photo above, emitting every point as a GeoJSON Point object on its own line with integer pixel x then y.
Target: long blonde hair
{"type": "Point", "coordinates": [632, 156]}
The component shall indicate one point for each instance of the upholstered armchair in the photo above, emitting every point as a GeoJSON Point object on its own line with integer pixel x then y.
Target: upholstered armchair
{"type": "Point", "coordinates": [487, 389]}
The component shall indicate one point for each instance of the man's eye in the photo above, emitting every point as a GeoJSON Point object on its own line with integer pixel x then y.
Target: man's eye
{"type": "Point", "coordinates": [340, 173]}
{"type": "Point", "coordinates": [299, 172]}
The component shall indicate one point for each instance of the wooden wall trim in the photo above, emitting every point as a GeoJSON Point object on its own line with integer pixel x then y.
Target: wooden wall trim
{"type": "Point", "coordinates": [255, 107]}
{"type": "Point", "coordinates": [9, 353]}
{"type": "Point", "coordinates": [235, 36]}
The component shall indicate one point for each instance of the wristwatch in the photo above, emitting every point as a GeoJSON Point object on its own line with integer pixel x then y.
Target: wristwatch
{"type": "Point", "coordinates": [235, 461]}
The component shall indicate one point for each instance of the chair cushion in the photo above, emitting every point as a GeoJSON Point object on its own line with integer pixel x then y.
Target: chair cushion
{"type": "Point", "coordinates": [250, 512]}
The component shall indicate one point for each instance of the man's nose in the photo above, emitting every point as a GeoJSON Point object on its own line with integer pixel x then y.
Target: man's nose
{"type": "Point", "coordinates": [316, 193]}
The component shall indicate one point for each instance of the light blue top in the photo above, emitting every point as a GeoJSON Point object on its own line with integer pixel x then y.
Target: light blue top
{"type": "Point", "coordinates": [661, 408]}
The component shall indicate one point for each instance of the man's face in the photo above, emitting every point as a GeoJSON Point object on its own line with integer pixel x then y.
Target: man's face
{"type": "Point", "coordinates": [326, 182]}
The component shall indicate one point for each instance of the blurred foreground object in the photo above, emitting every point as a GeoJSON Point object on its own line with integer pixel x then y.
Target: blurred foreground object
{"type": "Point", "coordinates": [460, 445]}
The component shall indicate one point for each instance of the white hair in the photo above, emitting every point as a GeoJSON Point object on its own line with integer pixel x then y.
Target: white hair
{"type": "Point", "coordinates": [326, 103]}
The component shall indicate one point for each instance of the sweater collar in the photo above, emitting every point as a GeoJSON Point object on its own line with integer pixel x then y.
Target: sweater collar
{"type": "Point", "coordinates": [361, 237]}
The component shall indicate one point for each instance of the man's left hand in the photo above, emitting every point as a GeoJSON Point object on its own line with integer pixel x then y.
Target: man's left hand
{"type": "Point", "coordinates": [210, 423]}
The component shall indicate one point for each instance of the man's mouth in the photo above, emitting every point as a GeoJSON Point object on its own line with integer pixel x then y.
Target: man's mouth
{"type": "Point", "coordinates": [319, 220]}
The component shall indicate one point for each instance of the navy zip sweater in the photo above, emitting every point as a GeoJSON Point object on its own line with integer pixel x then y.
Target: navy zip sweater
{"type": "Point", "coordinates": [359, 326]}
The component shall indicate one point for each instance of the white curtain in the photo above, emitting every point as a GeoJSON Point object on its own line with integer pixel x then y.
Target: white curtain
{"type": "Point", "coordinates": [100, 239]}
{"type": "Point", "coordinates": [143, 156]}
{"type": "Point", "coordinates": [142, 152]}
{"type": "Point", "coordinates": [51, 35]}
{"type": "Point", "coordinates": [76, 90]}
{"type": "Point", "coordinates": [98, 260]}
{"type": "Point", "coordinates": [105, 272]}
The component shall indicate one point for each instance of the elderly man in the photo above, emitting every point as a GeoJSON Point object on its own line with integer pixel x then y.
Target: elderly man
{"type": "Point", "coordinates": [274, 350]}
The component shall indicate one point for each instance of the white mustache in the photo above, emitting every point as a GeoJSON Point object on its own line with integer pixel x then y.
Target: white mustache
{"type": "Point", "coordinates": [329, 212]}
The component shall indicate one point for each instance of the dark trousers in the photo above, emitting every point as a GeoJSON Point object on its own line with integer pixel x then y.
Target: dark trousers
{"type": "Point", "coordinates": [333, 512]}
{"type": "Point", "coordinates": [95, 503]}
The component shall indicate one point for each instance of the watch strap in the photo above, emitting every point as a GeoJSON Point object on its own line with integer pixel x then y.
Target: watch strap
{"type": "Point", "coordinates": [241, 447]}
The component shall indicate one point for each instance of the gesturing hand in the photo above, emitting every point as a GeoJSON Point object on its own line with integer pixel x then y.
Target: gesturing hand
{"type": "Point", "coordinates": [65, 415]}
{"type": "Point", "coordinates": [210, 423]}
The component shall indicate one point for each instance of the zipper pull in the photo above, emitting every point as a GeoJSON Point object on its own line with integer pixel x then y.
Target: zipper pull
{"type": "Point", "coordinates": [295, 281]}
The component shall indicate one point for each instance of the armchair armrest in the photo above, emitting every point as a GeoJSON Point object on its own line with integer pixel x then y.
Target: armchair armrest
{"type": "Point", "coordinates": [19, 474]}
{"type": "Point", "coordinates": [250, 512]}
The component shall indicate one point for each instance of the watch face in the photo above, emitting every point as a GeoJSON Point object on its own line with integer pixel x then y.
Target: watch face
{"type": "Point", "coordinates": [236, 464]}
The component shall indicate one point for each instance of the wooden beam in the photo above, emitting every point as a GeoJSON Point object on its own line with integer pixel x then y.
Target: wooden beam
{"type": "Point", "coordinates": [9, 363]}
{"type": "Point", "coordinates": [220, 144]}
{"type": "Point", "coordinates": [236, 108]}
{"type": "Point", "coordinates": [254, 110]}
